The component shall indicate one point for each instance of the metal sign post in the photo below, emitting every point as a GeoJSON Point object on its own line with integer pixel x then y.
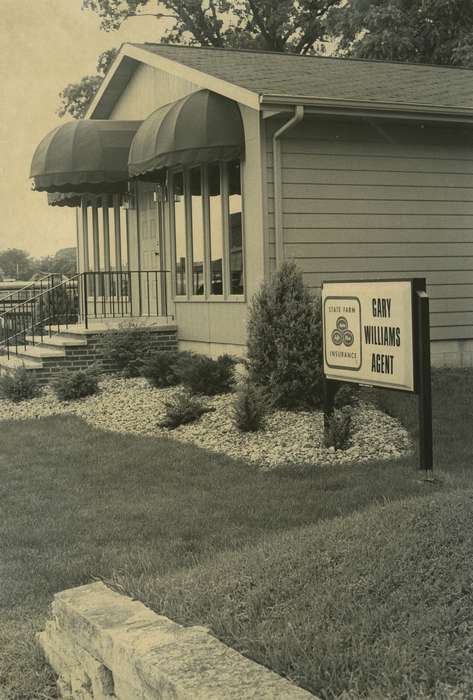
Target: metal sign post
{"type": "Point", "coordinates": [424, 386]}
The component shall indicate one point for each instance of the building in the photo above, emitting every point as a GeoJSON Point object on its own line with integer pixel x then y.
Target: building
{"type": "Point", "coordinates": [197, 170]}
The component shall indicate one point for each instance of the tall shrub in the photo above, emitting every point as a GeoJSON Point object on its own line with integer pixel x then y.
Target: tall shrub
{"type": "Point", "coordinates": [285, 340]}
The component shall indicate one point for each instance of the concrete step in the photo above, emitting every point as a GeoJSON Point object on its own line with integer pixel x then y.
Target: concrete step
{"type": "Point", "coordinates": [38, 352]}
{"type": "Point", "coordinates": [58, 340]}
{"type": "Point", "coordinates": [16, 361]}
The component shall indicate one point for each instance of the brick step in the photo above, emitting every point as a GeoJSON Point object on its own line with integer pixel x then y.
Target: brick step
{"type": "Point", "coordinates": [76, 348]}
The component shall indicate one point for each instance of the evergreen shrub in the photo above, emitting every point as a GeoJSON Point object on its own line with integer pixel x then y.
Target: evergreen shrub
{"type": "Point", "coordinates": [181, 409]}
{"type": "Point", "coordinates": [285, 341]}
{"type": "Point", "coordinates": [339, 429]}
{"type": "Point", "coordinates": [346, 395]}
{"type": "Point", "coordinates": [71, 385]}
{"type": "Point", "coordinates": [19, 384]}
{"type": "Point", "coordinates": [159, 368]}
{"type": "Point", "coordinates": [203, 375]}
{"type": "Point", "coordinates": [126, 349]}
{"type": "Point", "coordinates": [250, 407]}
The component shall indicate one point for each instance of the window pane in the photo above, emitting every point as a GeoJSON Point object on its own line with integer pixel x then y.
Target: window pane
{"type": "Point", "coordinates": [179, 232]}
{"type": "Point", "coordinates": [235, 228]}
{"type": "Point", "coordinates": [216, 230]}
{"type": "Point", "coordinates": [197, 232]}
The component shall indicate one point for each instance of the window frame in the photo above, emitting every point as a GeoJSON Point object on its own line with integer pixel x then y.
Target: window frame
{"type": "Point", "coordinates": [172, 221]}
{"type": "Point", "coordinates": [225, 213]}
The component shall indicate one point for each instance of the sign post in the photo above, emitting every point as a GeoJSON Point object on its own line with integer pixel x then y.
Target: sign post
{"type": "Point", "coordinates": [377, 333]}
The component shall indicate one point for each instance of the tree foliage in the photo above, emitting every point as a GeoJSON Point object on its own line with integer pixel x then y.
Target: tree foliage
{"type": "Point", "coordinates": [298, 26]}
{"type": "Point", "coordinates": [419, 31]}
{"type": "Point", "coordinates": [76, 97]}
{"type": "Point", "coordinates": [16, 264]}
{"type": "Point", "coordinates": [19, 264]}
{"type": "Point", "coordinates": [275, 25]}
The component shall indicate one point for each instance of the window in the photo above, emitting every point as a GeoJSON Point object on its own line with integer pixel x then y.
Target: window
{"type": "Point", "coordinates": [216, 230]}
{"type": "Point", "coordinates": [208, 200]}
{"type": "Point", "coordinates": [198, 286]}
{"type": "Point", "coordinates": [235, 233]}
{"type": "Point", "coordinates": [179, 233]}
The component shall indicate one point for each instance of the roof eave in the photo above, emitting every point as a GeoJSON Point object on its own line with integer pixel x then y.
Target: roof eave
{"type": "Point", "coordinates": [368, 108]}
{"type": "Point", "coordinates": [131, 55]}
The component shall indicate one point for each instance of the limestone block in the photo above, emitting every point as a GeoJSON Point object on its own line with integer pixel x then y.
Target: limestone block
{"type": "Point", "coordinates": [105, 646]}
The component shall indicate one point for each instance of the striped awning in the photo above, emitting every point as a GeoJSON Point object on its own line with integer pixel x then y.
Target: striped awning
{"type": "Point", "coordinates": [88, 155]}
{"type": "Point", "coordinates": [198, 128]}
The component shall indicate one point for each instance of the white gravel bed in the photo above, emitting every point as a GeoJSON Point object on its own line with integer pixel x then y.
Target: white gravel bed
{"type": "Point", "coordinates": [132, 406]}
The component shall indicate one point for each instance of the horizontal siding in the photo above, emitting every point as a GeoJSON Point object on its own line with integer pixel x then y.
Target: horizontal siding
{"type": "Point", "coordinates": [373, 192]}
{"type": "Point", "coordinates": [318, 175]}
{"type": "Point", "coordinates": [446, 251]}
{"type": "Point", "coordinates": [387, 207]}
{"type": "Point", "coordinates": [363, 162]}
{"type": "Point", "coordinates": [367, 202]}
{"type": "Point", "coordinates": [376, 235]}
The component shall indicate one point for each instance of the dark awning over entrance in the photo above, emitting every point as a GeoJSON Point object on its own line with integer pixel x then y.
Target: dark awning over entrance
{"type": "Point", "coordinates": [198, 128]}
{"type": "Point", "coordinates": [88, 155]}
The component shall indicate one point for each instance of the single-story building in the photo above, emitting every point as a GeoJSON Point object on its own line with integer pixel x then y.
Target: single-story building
{"type": "Point", "coordinates": [197, 170]}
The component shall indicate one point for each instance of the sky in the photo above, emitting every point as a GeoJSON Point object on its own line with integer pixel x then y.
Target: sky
{"type": "Point", "coordinates": [44, 46]}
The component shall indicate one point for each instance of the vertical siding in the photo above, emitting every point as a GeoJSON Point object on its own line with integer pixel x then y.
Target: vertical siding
{"type": "Point", "coordinates": [366, 201]}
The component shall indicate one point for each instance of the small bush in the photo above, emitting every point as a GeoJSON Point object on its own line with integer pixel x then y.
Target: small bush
{"type": "Point", "coordinates": [126, 349]}
{"type": "Point", "coordinates": [285, 340]}
{"type": "Point", "coordinates": [203, 375]}
{"type": "Point", "coordinates": [346, 395]}
{"type": "Point", "coordinates": [339, 429]}
{"type": "Point", "coordinates": [159, 368]}
{"type": "Point", "coordinates": [181, 409]}
{"type": "Point", "coordinates": [19, 385]}
{"type": "Point", "coordinates": [69, 386]}
{"type": "Point", "coordinates": [250, 408]}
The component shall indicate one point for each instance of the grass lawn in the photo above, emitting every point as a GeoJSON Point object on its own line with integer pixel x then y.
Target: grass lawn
{"type": "Point", "coordinates": [147, 514]}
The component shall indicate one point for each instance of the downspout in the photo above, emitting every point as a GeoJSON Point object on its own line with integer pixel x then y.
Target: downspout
{"type": "Point", "coordinates": [277, 177]}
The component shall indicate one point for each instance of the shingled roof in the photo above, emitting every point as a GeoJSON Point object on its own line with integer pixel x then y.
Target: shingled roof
{"type": "Point", "coordinates": [288, 75]}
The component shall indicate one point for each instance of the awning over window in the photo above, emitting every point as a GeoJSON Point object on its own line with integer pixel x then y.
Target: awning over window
{"type": "Point", "coordinates": [198, 128]}
{"type": "Point", "coordinates": [88, 155]}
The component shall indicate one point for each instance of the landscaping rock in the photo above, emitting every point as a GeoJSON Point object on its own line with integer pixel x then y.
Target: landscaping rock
{"type": "Point", "coordinates": [132, 406]}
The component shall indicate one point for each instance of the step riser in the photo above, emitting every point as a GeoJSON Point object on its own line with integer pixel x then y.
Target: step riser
{"type": "Point", "coordinates": [85, 354]}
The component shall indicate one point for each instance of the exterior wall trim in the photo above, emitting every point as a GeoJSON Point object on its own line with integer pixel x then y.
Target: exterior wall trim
{"type": "Point", "coordinates": [129, 51]}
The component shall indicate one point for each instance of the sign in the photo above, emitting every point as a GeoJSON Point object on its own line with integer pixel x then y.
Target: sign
{"type": "Point", "coordinates": [369, 333]}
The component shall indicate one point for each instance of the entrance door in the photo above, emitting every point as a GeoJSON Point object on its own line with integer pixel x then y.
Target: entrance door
{"type": "Point", "coordinates": [150, 250]}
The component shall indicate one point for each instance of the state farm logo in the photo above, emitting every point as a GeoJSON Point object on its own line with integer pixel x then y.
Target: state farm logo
{"type": "Point", "coordinates": [342, 334]}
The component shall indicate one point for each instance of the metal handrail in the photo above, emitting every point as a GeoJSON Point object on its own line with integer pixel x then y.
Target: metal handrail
{"type": "Point", "coordinates": [15, 316]}
{"type": "Point", "coordinates": [114, 294]}
{"type": "Point", "coordinates": [38, 296]}
{"type": "Point", "coordinates": [32, 283]}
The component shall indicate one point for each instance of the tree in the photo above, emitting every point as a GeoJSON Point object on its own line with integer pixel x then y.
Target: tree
{"type": "Point", "coordinates": [419, 31]}
{"type": "Point", "coordinates": [76, 97]}
{"type": "Point", "coordinates": [16, 263]}
{"type": "Point", "coordinates": [297, 26]}
{"type": "Point", "coordinates": [285, 340]}
{"type": "Point", "coordinates": [62, 262]}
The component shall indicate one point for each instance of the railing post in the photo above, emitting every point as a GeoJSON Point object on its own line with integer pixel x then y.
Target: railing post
{"type": "Point", "coordinates": [86, 304]}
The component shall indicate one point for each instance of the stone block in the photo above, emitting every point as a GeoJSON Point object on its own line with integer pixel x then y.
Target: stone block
{"type": "Point", "coordinates": [106, 646]}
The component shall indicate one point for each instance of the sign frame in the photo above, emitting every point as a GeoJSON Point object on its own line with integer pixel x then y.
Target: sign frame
{"type": "Point", "coordinates": [421, 370]}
